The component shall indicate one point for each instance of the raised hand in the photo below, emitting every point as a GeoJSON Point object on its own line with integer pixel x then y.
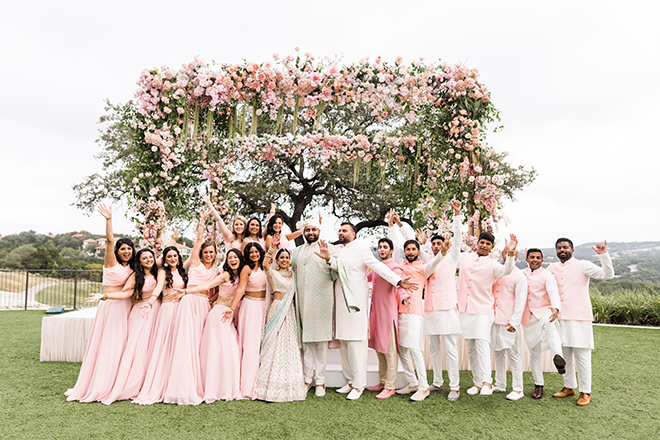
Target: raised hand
{"type": "Point", "coordinates": [421, 236]}
{"type": "Point", "coordinates": [456, 204]}
{"type": "Point", "coordinates": [396, 218]}
{"type": "Point", "coordinates": [175, 233]}
{"type": "Point", "coordinates": [273, 207]}
{"type": "Point", "coordinates": [105, 211]}
{"type": "Point", "coordinates": [323, 252]}
{"type": "Point", "coordinates": [512, 244]}
{"type": "Point", "coordinates": [446, 245]}
{"type": "Point", "coordinates": [390, 218]}
{"type": "Point", "coordinates": [320, 218]}
{"type": "Point", "coordinates": [600, 248]}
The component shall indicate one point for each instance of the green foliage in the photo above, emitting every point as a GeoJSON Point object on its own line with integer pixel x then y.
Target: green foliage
{"type": "Point", "coordinates": [629, 307]}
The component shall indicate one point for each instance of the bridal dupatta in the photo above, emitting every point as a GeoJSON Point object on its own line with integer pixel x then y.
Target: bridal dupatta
{"type": "Point", "coordinates": [272, 327]}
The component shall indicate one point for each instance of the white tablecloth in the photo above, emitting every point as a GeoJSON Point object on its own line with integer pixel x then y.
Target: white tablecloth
{"type": "Point", "coordinates": [64, 337]}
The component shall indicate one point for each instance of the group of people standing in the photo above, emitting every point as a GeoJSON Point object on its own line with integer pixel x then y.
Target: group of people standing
{"type": "Point", "coordinates": [260, 326]}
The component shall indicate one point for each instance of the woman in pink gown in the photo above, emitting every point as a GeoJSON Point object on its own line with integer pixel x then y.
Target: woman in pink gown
{"type": "Point", "coordinates": [171, 276]}
{"type": "Point", "coordinates": [254, 233]}
{"type": "Point", "coordinates": [274, 228]}
{"type": "Point", "coordinates": [252, 292]}
{"type": "Point", "coordinates": [185, 386]}
{"type": "Point", "coordinates": [135, 359]}
{"type": "Point", "coordinates": [109, 333]}
{"type": "Point", "coordinates": [220, 352]}
{"type": "Point", "coordinates": [280, 376]}
{"type": "Point", "coordinates": [234, 237]}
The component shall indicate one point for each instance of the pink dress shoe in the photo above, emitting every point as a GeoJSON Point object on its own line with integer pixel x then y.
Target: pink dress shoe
{"type": "Point", "coordinates": [378, 387]}
{"type": "Point", "coordinates": [385, 394]}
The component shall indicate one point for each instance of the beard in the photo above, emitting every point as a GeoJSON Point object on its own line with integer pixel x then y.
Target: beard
{"type": "Point", "coordinates": [311, 238]}
{"type": "Point", "coordinates": [412, 259]}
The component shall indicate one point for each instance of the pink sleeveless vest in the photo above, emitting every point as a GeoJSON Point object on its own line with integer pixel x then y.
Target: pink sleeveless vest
{"type": "Point", "coordinates": [441, 288]}
{"type": "Point", "coordinates": [415, 271]}
{"type": "Point", "coordinates": [504, 292]}
{"type": "Point", "coordinates": [475, 284]}
{"type": "Point", "coordinates": [538, 301]}
{"type": "Point", "coordinates": [573, 291]}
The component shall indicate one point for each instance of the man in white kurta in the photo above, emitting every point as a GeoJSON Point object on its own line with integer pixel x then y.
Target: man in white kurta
{"type": "Point", "coordinates": [576, 317]}
{"type": "Point", "coordinates": [510, 293]}
{"type": "Point", "coordinates": [440, 310]}
{"type": "Point", "coordinates": [539, 318]}
{"type": "Point", "coordinates": [478, 272]}
{"type": "Point", "coordinates": [351, 327]}
{"type": "Point", "coordinates": [314, 299]}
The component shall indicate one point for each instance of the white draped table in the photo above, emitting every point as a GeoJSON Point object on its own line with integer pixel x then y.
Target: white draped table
{"type": "Point", "coordinates": [64, 337]}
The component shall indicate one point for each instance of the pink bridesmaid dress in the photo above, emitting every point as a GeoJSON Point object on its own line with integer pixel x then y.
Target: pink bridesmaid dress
{"type": "Point", "coordinates": [185, 385]}
{"type": "Point", "coordinates": [220, 352]}
{"type": "Point", "coordinates": [135, 359]}
{"type": "Point", "coordinates": [155, 382]}
{"type": "Point", "coordinates": [106, 343]}
{"type": "Point", "coordinates": [250, 321]}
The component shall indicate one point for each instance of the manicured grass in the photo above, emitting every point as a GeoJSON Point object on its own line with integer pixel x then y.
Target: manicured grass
{"type": "Point", "coordinates": [14, 281]}
{"type": "Point", "coordinates": [61, 294]}
{"type": "Point", "coordinates": [626, 403]}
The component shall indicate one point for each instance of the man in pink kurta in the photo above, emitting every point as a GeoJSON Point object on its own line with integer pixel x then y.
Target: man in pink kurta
{"type": "Point", "coordinates": [383, 320]}
{"type": "Point", "coordinates": [576, 316]}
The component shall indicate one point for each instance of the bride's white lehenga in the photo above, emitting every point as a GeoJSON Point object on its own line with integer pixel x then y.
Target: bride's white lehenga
{"type": "Point", "coordinates": [280, 376]}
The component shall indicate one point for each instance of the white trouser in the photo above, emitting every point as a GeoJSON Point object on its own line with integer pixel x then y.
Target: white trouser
{"type": "Point", "coordinates": [554, 341]}
{"type": "Point", "coordinates": [315, 358]}
{"type": "Point", "coordinates": [409, 369]}
{"type": "Point", "coordinates": [451, 356]}
{"type": "Point", "coordinates": [515, 361]}
{"type": "Point", "coordinates": [354, 362]}
{"type": "Point", "coordinates": [583, 362]}
{"type": "Point", "coordinates": [479, 356]}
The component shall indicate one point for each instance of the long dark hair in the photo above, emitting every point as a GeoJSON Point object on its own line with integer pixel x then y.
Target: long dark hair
{"type": "Point", "coordinates": [168, 270]}
{"type": "Point", "coordinates": [246, 255]}
{"type": "Point", "coordinates": [128, 241]}
{"type": "Point", "coordinates": [228, 269]}
{"type": "Point", "coordinates": [247, 227]}
{"type": "Point", "coordinates": [271, 224]}
{"type": "Point", "coordinates": [140, 274]}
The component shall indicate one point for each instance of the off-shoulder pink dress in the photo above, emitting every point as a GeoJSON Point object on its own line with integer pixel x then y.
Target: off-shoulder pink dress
{"type": "Point", "coordinates": [220, 352]}
{"type": "Point", "coordinates": [250, 321]}
{"type": "Point", "coordinates": [106, 343]}
{"type": "Point", "coordinates": [158, 372]}
{"type": "Point", "coordinates": [135, 359]}
{"type": "Point", "coordinates": [185, 386]}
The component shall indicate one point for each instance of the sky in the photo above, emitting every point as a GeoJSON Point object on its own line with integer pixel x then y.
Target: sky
{"type": "Point", "coordinates": [574, 82]}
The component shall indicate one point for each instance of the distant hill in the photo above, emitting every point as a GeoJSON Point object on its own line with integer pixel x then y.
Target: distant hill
{"type": "Point", "coordinates": [636, 264]}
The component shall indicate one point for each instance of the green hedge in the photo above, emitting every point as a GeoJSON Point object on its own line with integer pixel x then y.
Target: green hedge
{"type": "Point", "coordinates": [626, 306]}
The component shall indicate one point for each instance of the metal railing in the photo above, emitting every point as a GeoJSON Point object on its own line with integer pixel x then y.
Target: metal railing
{"type": "Point", "coordinates": [41, 289]}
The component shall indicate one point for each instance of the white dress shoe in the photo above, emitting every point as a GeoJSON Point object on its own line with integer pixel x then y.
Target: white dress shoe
{"type": "Point", "coordinates": [345, 389]}
{"type": "Point", "coordinates": [514, 395]}
{"type": "Point", "coordinates": [453, 396]}
{"type": "Point", "coordinates": [406, 390]}
{"type": "Point", "coordinates": [486, 391]}
{"type": "Point", "coordinates": [320, 391]}
{"type": "Point", "coordinates": [473, 391]}
{"type": "Point", "coordinates": [420, 395]}
{"type": "Point", "coordinates": [354, 394]}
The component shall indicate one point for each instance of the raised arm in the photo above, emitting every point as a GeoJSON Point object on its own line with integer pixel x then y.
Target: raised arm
{"type": "Point", "coordinates": [194, 260]}
{"type": "Point", "coordinates": [226, 232]}
{"type": "Point", "coordinates": [378, 266]}
{"type": "Point", "coordinates": [222, 278]}
{"type": "Point", "coordinates": [455, 252]}
{"type": "Point", "coordinates": [590, 270]}
{"type": "Point", "coordinates": [430, 267]}
{"type": "Point", "coordinates": [501, 270]}
{"type": "Point", "coordinates": [110, 259]}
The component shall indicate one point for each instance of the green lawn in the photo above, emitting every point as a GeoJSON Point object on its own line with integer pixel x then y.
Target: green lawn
{"type": "Point", "coordinates": [61, 293]}
{"type": "Point", "coordinates": [626, 403]}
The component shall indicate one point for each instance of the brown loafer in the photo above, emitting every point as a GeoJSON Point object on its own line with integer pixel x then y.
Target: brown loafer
{"type": "Point", "coordinates": [565, 392]}
{"type": "Point", "coordinates": [560, 364]}
{"type": "Point", "coordinates": [584, 400]}
{"type": "Point", "coordinates": [538, 392]}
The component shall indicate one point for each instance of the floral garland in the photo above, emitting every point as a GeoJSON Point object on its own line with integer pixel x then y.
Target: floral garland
{"type": "Point", "coordinates": [430, 119]}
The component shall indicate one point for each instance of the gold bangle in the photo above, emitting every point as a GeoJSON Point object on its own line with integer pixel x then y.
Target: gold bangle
{"type": "Point", "coordinates": [104, 297]}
